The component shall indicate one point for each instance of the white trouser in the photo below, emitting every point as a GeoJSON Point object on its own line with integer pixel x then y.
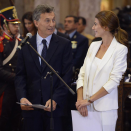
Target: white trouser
{"type": "Point", "coordinates": [108, 118]}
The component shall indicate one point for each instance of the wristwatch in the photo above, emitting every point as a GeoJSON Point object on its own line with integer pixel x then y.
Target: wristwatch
{"type": "Point", "coordinates": [89, 100]}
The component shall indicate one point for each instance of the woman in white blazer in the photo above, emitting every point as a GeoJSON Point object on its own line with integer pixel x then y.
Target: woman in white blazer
{"type": "Point", "coordinates": [100, 75]}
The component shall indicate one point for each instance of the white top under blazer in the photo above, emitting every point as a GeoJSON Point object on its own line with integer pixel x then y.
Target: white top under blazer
{"type": "Point", "coordinates": [108, 74]}
{"type": "Point", "coordinates": [93, 69]}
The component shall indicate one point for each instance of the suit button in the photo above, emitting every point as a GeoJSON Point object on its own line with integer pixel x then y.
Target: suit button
{"type": "Point", "coordinates": [10, 65]}
{"type": "Point", "coordinates": [39, 90]}
{"type": "Point", "coordinates": [13, 70]}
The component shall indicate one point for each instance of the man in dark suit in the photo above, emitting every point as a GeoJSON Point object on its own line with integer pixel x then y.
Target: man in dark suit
{"type": "Point", "coordinates": [10, 113]}
{"type": "Point", "coordinates": [79, 42]}
{"type": "Point", "coordinates": [31, 87]}
{"type": "Point", "coordinates": [79, 45]}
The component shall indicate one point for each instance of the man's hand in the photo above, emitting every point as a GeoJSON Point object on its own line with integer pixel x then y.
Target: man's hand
{"type": "Point", "coordinates": [48, 105]}
{"type": "Point", "coordinates": [24, 107]}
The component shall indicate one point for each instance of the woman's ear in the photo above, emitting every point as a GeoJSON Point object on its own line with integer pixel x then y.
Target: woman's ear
{"type": "Point", "coordinates": [106, 28]}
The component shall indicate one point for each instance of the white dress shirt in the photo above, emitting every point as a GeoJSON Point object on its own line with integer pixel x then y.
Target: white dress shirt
{"type": "Point", "coordinates": [40, 44]}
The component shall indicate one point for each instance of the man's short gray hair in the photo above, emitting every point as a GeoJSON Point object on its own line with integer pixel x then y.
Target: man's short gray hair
{"type": "Point", "coordinates": [40, 9]}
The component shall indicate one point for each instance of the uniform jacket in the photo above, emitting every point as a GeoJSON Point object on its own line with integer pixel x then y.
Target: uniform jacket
{"type": "Point", "coordinates": [79, 49]}
{"type": "Point", "coordinates": [108, 74]}
{"type": "Point", "coordinates": [30, 82]}
{"type": "Point", "coordinates": [7, 71]}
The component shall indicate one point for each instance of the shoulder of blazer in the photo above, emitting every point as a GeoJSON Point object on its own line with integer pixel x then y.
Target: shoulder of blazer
{"type": "Point", "coordinates": [93, 44]}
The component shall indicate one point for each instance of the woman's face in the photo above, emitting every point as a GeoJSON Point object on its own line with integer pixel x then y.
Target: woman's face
{"type": "Point", "coordinates": [98, 29]}
{"type": "Point", "coordinates": [29, 25]}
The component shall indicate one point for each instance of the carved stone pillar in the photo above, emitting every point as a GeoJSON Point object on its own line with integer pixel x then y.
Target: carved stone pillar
{"type": "Point", "coordinates": [88, 9]}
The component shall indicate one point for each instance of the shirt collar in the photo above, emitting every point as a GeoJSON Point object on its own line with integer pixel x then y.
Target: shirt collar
{"type": "Point", "coordinates": [39, 39]}
{"type": "Point", "coordinates": [71, 34]}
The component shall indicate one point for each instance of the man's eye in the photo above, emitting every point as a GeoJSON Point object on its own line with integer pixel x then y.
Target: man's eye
{"type": "Point", "coordinates": [53, 20]}
{"type": "Point", "coordinates": [47, 20]}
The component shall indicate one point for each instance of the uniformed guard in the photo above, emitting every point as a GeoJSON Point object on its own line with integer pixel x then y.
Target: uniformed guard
{"type": "Point", "coordinates": [9, 111]}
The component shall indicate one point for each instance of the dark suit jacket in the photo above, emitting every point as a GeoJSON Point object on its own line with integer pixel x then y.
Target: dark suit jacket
{"type": "Point", "coordinates": [79, 49]}
{"type": "Point", "coordinates": [63, 35]}
{"type": "Point", "coordinates": [30, 82]}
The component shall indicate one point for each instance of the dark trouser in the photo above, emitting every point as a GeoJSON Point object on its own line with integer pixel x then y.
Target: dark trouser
{"type": "Point", "coordinates": [10, 119]}
{"type": "Point", "coordinates": [71, 106]}
{"type": "Point", "coordinates": [41, 122]}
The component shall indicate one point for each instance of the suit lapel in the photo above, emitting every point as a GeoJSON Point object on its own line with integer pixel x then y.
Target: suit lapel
{"type": "Point", "coordinates": [51, 50]}
{"type": "Point", "coordinates": [107, 55]}
{"type": "Point", "coordinates": [34, 55]}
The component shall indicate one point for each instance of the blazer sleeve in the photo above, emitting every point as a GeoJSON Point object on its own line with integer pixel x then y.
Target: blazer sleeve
{"type": "Point", "coordinates": [80, 81]}
{"type": "Point", "coordinates": [20, 79]}
{"type": "Point", "coordinates": [120, 65]}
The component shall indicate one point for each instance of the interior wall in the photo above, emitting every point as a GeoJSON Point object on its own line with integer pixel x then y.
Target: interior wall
{"type": "Point", "coordinates": [88, 9]}
{"type": "Point", "coordinates": [85, 8]}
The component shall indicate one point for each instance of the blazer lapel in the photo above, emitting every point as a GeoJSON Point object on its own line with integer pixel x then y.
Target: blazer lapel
{"type": "Point", "coordinates": [94, 51]}
{"type": "Point", "coordinates": [51, 50]}
{"type": "Point", "coordinates": [91, 57]}
{"type": "Point", "coordinates": [107, 55]}
{"type": "Point", "coordinates": [35, 57]}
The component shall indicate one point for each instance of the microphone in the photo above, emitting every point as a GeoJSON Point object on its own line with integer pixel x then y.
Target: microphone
{"type": "Point", "coordinates": [28, 35]}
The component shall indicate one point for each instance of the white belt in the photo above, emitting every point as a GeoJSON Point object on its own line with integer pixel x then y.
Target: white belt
{"type": "Point", "coordinates": [12, 53]}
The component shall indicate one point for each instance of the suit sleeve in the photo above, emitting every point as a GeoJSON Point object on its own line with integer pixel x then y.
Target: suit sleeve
{"type": "Point", "coordinates": [120, 65]}
{"type": "Point", "coordinates": [20, 79]}
{"type": "Point", "coordinates": [60, 94]}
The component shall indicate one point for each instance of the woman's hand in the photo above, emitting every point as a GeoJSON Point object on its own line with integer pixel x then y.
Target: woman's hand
{"type": "Point", "coordinates": [83, 111]}
{"type": "Point", "coordinates": [81, 103]}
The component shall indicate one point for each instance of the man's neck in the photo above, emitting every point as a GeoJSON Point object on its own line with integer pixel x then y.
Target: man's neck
{"type": "Point", "coordinates": [72, 33]}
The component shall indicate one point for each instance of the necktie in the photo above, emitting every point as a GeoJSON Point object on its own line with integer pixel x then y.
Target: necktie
{"type": "Point", "coordinates": [44, 50]}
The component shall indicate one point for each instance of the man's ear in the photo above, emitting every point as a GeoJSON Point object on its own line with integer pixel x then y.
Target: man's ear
{"type": "Point", "coordinates": [4, 27]}
{"type": "Point", "coordinates": [36, 23]}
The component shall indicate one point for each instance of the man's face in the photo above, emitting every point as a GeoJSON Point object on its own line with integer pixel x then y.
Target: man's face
{"type": "Point", "coordinates": [70, 25]}
{"type": "Point", "coordinates": [46, 24]}
{"type": "Point", "coordinates": [14, 28]}
{"type": "Point", "coordinates": [80, 27]}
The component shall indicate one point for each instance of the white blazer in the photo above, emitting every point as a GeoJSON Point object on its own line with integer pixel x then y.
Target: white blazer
{"type": "Point", "coordinates": [108, 74]}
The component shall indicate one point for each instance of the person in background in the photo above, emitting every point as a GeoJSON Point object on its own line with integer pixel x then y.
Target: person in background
{"type": "Point", "coordinates": [81, 27]}
{"type": "Point", "coordinates": [60, 28]}
{"type": "Point", "coordinates": [28, 25]}
{"type": "Point", "coordinates": [31, 87]}
{"type": "Point", "coordinates": [78, 41]}
{"type": "Point", "coordinates": [79, 44]}
{"type": "Point", "coordinates": [61, 34]}
{"type": "Point", "coordinates": [10, 113]}
{"type": "Point", "coordinates": [100, 75]}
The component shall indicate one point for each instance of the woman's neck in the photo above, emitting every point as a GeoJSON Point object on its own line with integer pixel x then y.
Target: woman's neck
{"type": "Point", "coordinates": [32, 32]}
{"type": "Point", "coordinates": [107, 39]}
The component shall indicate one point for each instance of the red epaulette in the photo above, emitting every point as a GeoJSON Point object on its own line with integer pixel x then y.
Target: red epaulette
{"type": "Point", "coordinates": [1, 44]}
